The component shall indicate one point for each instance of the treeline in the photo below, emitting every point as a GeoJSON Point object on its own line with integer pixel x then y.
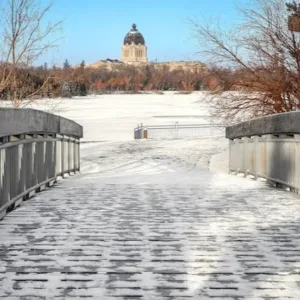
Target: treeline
{"type": "Point", "coordinates": [68, 81]}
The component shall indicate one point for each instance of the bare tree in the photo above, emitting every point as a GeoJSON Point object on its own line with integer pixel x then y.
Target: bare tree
{"type": "Point", "coordinates": [264, 56]}
{"type": "Point", "coordinates": [25, 37]}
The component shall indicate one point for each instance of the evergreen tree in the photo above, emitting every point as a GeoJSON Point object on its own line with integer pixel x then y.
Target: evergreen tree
{"type": "Point", "coordinates": [66, 90]}
{"type": "Point", "coordinates": [82, 64]}
{"type": "Point", "coordinates": [147, 76]}
{"type": "Point", "coordinates": [198, 85]}
{"type": "Point", "coordinates": [82, 89]}
{"type": "Point", "coordinates": [67, 65]}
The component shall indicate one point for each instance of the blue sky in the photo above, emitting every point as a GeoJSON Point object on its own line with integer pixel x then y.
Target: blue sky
{"type": "Point", "coordinates": [95, 29]}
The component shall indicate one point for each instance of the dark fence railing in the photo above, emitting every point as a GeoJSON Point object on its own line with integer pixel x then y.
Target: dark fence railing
{"type": "Point", "coordinates": [35, 148]}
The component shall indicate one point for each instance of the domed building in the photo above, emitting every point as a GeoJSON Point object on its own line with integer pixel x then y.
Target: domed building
{"type": "Point", "coordinates": [134, 49]}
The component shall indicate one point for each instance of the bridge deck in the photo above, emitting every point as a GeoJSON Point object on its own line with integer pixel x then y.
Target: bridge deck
{"type": "Point", "coordinates": [188, 235]}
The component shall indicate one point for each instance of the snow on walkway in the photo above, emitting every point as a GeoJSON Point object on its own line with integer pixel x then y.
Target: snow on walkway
{"type": "Point", "coordinates": [148, 220]}
{"type": "Point", "coordinates": [153, 227]}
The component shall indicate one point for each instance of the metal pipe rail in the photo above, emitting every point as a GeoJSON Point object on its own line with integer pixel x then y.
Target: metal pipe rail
{"type": "Point", "coordinates": [267, 147]}
{"type": "Point", "coordinates": [35, 148]}
{"type": "Point", "coordinates": [175, 131]}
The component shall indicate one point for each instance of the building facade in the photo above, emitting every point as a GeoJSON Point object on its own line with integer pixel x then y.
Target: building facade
{"type": "Point", "coordinates": [134, 49]}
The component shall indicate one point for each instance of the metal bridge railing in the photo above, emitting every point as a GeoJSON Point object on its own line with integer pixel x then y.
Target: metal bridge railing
{"type": "Point", "coordinates": [267, 147]}
{"type": "Point", "coordinates": [35, 148]}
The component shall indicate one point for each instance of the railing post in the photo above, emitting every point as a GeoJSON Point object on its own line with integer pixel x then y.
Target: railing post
{"type": "Point", "coordinates": [176, 130]}
{"type": "Point", "coordinates": [42, 163]}
{"type": "Point", "coordinates": [245, 156]}
{"type": "Point", "coordinates": [74, 155]}
{"type": "Point", "coordinates": [78, 155]}
{"type": "Point", "coordinates": [296, 165]}
{"type": "Point", "coordinates": [230, 167]}
{"type": "Point", "coordinates": [69, 156]}
{"type": "Point", "coordinates": [58, 168]}
{"type": "Point", "coordinates": [142, 131]}
{"type": "Point", "coordinates": [256, 154]}
{"type": "Point", "coordinates": [54, 160]}
{"type": "Point", "coordinates": [22, 170]}
{"type": "Point", "coordinates": [34, 162]}
{"type": "Point", "coordinates": [63, 156]}
{"type": "Point", "coordinates": [4, 180]}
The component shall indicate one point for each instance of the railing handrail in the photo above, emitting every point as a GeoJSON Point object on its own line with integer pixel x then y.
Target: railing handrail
{"type": "Point", "coordinates": [175, 130]}
{"type": "Point", "coordinates": [35, 149]}
{"type": "Point", "coordinates": [180, 126]}
{"type": "Point", "coordinates": [268, 148]}
{"type": "Point", "coordinates": [14, 122]}
{"type": "Point", "coordinates": [283, 123]}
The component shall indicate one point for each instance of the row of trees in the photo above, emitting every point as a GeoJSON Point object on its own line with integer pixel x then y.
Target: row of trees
{"type": "Point", "coordinates": [67, 81]}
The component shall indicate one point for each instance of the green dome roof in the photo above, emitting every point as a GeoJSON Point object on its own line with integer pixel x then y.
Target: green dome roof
{"type": "Point", "coordinates": [134, 36]}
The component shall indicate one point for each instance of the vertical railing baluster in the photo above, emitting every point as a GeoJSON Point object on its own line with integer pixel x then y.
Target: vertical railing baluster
{"type": "Point", "coordinates": [245, 157]}
{"type": "Point", "coordinates": [69, 155]}
{"type": "Point", "coordinates": [296, 160]}
{"type": "Point", "coordinates": [63, 156]}
{"type": "Point", "coordinates": [78, 147]}
{"type": "Point", "coordinates": [74, 155]}
{"type": "Point", "coordinates": [230, 162]}
{"type": "Point", "coordinates": [256, 156]}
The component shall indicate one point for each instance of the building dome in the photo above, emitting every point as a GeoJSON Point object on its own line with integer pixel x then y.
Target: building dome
{"type": "Point", "coordinates": [134, 36]}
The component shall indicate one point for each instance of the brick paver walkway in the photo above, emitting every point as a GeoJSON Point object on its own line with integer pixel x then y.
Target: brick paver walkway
{"type": "Point", "coordinates": [188, 235]}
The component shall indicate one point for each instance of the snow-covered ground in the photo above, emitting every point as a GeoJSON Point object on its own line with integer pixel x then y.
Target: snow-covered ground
{"type": "Point", "coordinates": [109, 121]}
{"type": "Point", "coordinates": [113, 117]}
{"type": "Point", "coordinates": [145, 219]}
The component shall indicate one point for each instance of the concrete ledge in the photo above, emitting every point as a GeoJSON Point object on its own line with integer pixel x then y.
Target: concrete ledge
{"type": "Point", "coordinates": [284, 123]}
{"type": "Point", "coordinates": [25, 121]}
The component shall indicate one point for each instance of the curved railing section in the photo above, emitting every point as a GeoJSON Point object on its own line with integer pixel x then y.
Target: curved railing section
{"type": "Point", "coordinates": [35, 148]}
{"type": "Point", "coordinates": [267, 147]}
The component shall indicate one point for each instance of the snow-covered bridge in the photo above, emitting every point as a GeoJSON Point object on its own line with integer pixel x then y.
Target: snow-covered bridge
{"type": "Point", "coordinates": [148, 220]}
{"type": "Point", "coordinates": [153, 229]}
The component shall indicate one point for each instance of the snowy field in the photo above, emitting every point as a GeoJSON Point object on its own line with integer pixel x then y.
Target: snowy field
{"type": "Point", "coordinates": [109, 121]}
